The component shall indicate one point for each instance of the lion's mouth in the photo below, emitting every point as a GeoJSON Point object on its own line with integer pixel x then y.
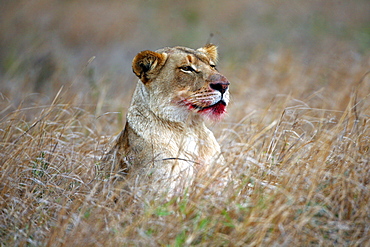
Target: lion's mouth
{"type": "Point", "coordinates": [218, 104]}
{"type": "Point", "coordinates": [216, 109]}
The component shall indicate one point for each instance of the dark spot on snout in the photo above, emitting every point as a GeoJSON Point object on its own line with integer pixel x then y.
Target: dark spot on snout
{"type": "Point", "coordinates": [219, 82]}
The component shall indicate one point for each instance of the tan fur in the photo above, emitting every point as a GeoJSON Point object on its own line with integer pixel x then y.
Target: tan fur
{"type": "Point", "coordinates": [165, 137]}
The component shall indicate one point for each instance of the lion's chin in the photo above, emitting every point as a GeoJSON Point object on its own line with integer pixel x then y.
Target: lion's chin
{"type": "Point", "coordinates": [214, 112]}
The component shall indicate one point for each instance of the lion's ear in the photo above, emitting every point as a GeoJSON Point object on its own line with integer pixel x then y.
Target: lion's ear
{"type": "Point", "coordinates": [147, 64]}
{"type": "Point", "coordinates": [211, 51]}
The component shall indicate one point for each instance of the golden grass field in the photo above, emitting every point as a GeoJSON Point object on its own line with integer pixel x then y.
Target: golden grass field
{"type": "Point", "coordinates": [296, 138]}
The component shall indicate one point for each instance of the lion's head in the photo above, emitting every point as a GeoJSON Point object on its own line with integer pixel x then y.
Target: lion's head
{"type": "Point", "coordinates": [178, 83]}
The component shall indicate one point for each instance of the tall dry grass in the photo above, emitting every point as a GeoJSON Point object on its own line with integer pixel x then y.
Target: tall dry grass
{"type": "Point", "coordinates": [299, 159]}
{"type": "Point", "coordinates": [296, 140]}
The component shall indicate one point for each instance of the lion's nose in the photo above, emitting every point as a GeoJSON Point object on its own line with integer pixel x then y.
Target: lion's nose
{"type": "Point", "coordinates": [220, 86]}
{"type": "Point", "coordinates": [219, 83]}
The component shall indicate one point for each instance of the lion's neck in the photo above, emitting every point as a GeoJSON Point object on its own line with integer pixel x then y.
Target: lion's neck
{"type": "Point", "coordinates": [143, 111]}
{"type": "Point", "coordinates": [148, 125]}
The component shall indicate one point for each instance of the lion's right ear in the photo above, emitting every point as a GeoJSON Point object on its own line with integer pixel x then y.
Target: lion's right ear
{"type": "Point", "coordinates": [211, 51]}
{"type": "Point", "coordinates": [147, 64]}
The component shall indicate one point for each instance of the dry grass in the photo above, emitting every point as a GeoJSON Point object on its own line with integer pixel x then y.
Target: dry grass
{"type": "Point", "coordinates": [301, 174]}
{"type": "Point", "coordinates": [297, 138]}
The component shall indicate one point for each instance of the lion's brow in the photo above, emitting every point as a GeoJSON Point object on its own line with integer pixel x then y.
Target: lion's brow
{"type": "Point", "coordinates": [187, 51]}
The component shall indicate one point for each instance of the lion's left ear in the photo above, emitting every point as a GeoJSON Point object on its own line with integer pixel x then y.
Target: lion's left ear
{"type": "Point", "coordinates": [147, 64]}
{"type": "Point", "coordinates": [211, 51]}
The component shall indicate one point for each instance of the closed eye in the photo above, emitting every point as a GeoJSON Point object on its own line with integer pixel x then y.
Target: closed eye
{"type": "Point", "coordinates": [213, 66]}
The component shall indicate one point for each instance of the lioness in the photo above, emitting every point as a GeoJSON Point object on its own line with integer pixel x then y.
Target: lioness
{"type": "Point", "coordinates": [165, 137]}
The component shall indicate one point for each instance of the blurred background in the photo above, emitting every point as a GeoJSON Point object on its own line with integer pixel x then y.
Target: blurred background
{"type": "Point", "coordinates": [296, 136]}
{"type": "Point", "coordinates": [87, 46]}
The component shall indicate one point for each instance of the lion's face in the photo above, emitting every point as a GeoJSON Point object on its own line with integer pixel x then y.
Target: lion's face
{"type": "Point", "coordinates": [180, 83]}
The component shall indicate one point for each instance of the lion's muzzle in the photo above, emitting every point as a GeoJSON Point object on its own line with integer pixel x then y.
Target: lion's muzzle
{"type": "Point", "coordinates": [219, 83]}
